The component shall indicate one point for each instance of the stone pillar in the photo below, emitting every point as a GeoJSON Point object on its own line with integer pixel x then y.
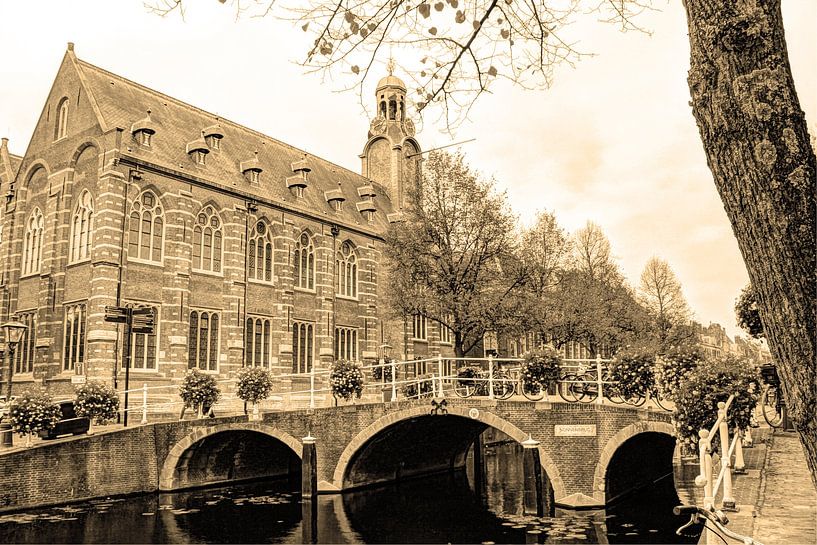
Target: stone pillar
{"type": "Point", "coordinates": [309, 522]}
{"type": "Point", "coordinates": [480, 468]}
{"type": "Point", "coordinates": [309, 470]}
{"type": "Point", "coordinates": [534, 479]}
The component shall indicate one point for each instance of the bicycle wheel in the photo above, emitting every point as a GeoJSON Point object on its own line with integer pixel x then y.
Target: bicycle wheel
{"type": "Point", "coordinates": [660, 401]}
{"type": "Point", "coordinates": [772, 407]}
{"type": "Point", "coordinates": [568, 388]}
{"type": "Point", "coordinates": [533, 391]}
{"type": "Point", "coordinates": [636, 399]}
{"type": "Point", "coordinates": [589, 388]}
{"type": "Point", "coordinates": [612, 394]}
{"type": "Point", "coordinates": [463, 389]}
{"type": "Point", "coordinates": [503, 388]}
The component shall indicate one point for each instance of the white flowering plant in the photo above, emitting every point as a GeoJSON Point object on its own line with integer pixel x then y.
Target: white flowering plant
{"type": "Point", "coordinates": [346, 380]}
{"type": "Point", "coordinates": [97, 401]}
{"type": "Point", "coordinates": [672, 368]}
{"type": "Point", "coordinates": [254, 384]}
{"type": "Point", "coordinates": [632, 370]}
{"type": "Point", "coordinates": [383, 372]}
{"type": "Point", "coordinates": [199, 389]}
{"type": "Point", "coordinates": [33, 412]}
{"type": "Point", "coordinates": [540, 368]}
{"type": "Point", "coordinates": [696, 400]}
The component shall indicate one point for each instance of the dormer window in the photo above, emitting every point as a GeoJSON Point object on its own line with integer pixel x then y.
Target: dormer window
{"type": "Point", "coordinates": [369, 215]}
{"type": "Point", "coordinates": [200, 157]}
{"type": "Point", "coordinates": [253, 176]}
{"type": "Point", "coordinates": [251, 169]}
{"type": "Point", "coordinates": [212, 136]}
{"type": "Point", "coordinates": [298, 181]}
{"type": "Point", "coordinates": [335, 198]}
{"type": "Point", "coordinates": [143, 130]}
{"type": "Point", "coordinates": [338, 205]}
{"type": "Point", "coordinates": [297, 191]}
{"type": "Point", "coordinates": [367, 209]}
{"type": "Point", "coordinates": [198, 150]}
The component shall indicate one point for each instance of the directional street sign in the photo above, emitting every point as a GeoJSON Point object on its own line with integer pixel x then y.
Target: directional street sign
{"type": "Point", "coordinates": [116, 314]}
{"type": "Point", "coordinates": [143, 321]}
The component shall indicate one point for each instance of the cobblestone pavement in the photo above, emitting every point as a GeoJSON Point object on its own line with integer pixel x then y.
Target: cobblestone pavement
{"type": "Point", "coordinates": [787, 509]}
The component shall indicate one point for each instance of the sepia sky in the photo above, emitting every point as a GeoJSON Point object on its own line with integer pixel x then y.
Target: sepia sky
{"type": "Point", "coordinates": [613, 141]}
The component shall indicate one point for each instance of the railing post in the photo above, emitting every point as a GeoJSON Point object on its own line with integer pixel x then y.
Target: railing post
{"type": "Point", "coordinates": [726, 463]}
{"type": "Point", "coordinates": [490, 376]}
{"type": "Point", "coordinates": [599, 382]}
{"type": "Point", "coordinates": [705, 479]}
{"type": "Point", "coordinates": [440, 369]}
{"type": "Point", "coordinates": [144, 404]}
{"type": "Point", "coordinates": [740, 465]}
{"type": "Point", "coordinates": [312, 387]}
{"type": "Point", "coordinates": [393, 380]}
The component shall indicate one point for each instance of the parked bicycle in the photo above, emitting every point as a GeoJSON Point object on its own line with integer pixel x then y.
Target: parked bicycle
{"type": "Point", "coordinates": [771, 400]}
{"type": "Point", "coordinates": [714, 520]}
{"type": "Point", "coordinates": [473, 381]}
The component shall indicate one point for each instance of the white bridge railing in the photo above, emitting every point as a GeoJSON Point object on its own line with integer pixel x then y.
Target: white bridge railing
{"type": "Point", "coordinates": [436, 376]}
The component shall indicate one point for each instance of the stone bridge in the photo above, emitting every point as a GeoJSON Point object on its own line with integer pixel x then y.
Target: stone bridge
{"type": "Point", "coordinates": [587, 453]}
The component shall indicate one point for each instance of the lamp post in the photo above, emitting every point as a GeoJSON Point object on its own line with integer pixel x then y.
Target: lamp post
{"type": "Point", "coordinates": [13, 333]}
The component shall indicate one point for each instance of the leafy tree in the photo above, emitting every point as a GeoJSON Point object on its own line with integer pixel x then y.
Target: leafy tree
{"type": "Point", "coordinates": [747, 312]}
{"type": "Point", "coordinates": [451, 259]}
{"type": "Point", "coordinates": [660, 293]}
{"type": "Point", "coordinates": [744, 100]}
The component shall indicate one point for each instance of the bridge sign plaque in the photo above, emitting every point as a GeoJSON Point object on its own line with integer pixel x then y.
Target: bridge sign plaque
{"type": "Point", "coordinates": [574, 430]}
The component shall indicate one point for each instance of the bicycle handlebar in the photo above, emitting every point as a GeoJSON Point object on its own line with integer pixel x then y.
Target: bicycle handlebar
{"type": "Point", "coordinates": [718, 519]}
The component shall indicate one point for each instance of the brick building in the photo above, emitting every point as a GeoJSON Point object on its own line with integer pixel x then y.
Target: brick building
{"type": "Point", "coordinates": [251, 251]}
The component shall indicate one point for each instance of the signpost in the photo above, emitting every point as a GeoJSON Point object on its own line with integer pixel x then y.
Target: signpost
{"type": "Point", "coordinates": [139, 320]}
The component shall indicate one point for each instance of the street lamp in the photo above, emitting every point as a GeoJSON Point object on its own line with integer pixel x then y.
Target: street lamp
{"type": "Point", "coordinates": [13, 333]}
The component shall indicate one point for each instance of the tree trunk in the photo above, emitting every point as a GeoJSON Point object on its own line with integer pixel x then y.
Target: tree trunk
{"type": "Point", "coordinates": [757, 146]}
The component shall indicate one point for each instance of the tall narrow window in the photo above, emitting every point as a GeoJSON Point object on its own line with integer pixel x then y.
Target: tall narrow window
{"type": "Point", "coordinates": [258, 341]}
{"type": "Point", "coordinates": [81, 228]}
{"type": "Point", "coordinates": [420, 327]}
{"type": "Point", "coordinates": [302, 346]}
{"type": "Point", "coordinates": [445, 332]}
{"type": "Point", "coordinates": [304, 263]}
{"type": "Point", "coordinates": [61, 130]}
{"type": "Point", "coordinates": [146, 228]}
{"type": "Point", "coordinates": [259, 253]}
{"type": "Point", "coordinates": [143, 345]}
{"type": "Point", "coordinates": [33, 243]}
{"type": "Point", "coordinates": [347, 271]}
{"type": "Point", "coordinates": [207, 239]}
{"type": "Point", "coordinates": [203, 340]}
{"type": "Point", "coordinates": [346, 343]}
{"type": "Point", "coordinates": [74, 338]}
{"type": "Point", "coordinates": [24, 356]}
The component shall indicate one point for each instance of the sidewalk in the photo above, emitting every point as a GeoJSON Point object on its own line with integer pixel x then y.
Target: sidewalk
{"type": "Point", "coordinates": [787, 507]}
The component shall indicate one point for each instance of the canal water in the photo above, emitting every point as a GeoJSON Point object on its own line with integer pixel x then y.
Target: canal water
{"type": "Point", "coordinates": [436, 509]}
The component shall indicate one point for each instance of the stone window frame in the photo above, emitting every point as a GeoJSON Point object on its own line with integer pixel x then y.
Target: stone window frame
{"type": "Point", "coordinates": [211, 354]}
{"type": "Point", "coordinates": [446, 335]}
{"type": "Point", "coordinates": [33, 243]}
{"type": "Point", "coordinates": [258, 341]}
{"type": "Point", "coordinates": [261, 253]}
{"type": "Point", "coordinates": [346, 271]}
{"type": "Point", "coordinates": [202, 262]}
{"type": "Point", "coordinates": [74, 337]}
{"type": "Point", "coordinates": [145, 338]}
{"type": "Point", "coordinates": [303, 346]}
{"type": "Point", "coordinates": [304, 263]}
{"type": "Point", "coordinates": [346, 343]}
{"type": "Point", "coordinates": [25, 353]}
{"type": "Point", "coordinates": [61, 126]}
{"type": "Point", "coordinates": [82, 229]}
{"type": "Point", "coordinates": [419, 327]}
{"type": "Point", "coordinates": [153, 245]}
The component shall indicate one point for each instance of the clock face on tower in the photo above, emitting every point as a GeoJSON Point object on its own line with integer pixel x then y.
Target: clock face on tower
{"type": "Point", "coordinates": [408, 126]}
{"type": "Point", "coordinates": [378, 125]}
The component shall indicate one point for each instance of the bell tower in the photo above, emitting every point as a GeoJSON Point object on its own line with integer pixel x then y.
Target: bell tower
{"type": "Point", "coordinates": [391, 154]}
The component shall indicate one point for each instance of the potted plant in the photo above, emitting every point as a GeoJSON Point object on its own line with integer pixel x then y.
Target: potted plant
{"type": "Point", "coordinates": [540, 369]}
{"type": "Point", "coordinates": [199, 391]}
{"type": "Point", "coordinates": [32, 413]}
{"type": "Point", "coordinates": [97, 401]}
{"type": "Point", "coordinates": [632, 371]}
{"type": "Point", "coordinates": [672, 368]}
{"type": "Point", "coordinates": [254, 385]}
{"type": "Point", "coordinates": [346, 380]}
{"type": "Point", "coordinates": [382, 372]}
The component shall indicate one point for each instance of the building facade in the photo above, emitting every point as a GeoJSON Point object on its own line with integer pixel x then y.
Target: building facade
{"type": "Point", "coordinates": [250, 251]}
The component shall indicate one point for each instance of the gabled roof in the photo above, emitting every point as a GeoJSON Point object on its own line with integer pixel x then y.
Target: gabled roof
{"type": "Point", "coordinates": [121, 103]}
{"type": "Point", "coordinates": [9, 163]}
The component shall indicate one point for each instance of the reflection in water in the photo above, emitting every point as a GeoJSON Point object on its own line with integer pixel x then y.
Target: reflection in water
{"type": "Point", "coordinates": [436, 509]}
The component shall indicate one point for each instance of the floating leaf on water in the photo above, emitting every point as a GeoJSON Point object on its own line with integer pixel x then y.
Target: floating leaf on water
{"type": "Point", "coordinates": [631, 534]}
{"type": "Point", "coordinates": [147, 514]}
{"type": "Point", "coordinates": [652, 531]}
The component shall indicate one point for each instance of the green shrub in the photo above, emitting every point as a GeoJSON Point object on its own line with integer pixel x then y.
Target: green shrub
{"type": "Point", "coordinates": [382, 373]}
{"type": "Point", "coordinates": [199, 389]}
{"type": "Point", "coordinates": [541, 366]}
{"type": "Point", "coordinates": [346, 380]}
{"type": "Point", "coordinates": [254, 384]}
{"type": "Point", "coordinates": [97, 401]}
{"type": "Point", "coordinates": [33, 412]}
{"type": "Point", "coordinates": [632, 370]}
{"type": "Point", "coordinates": [696, 400]}
{"type": "Point", "coordinates": [672, 368]}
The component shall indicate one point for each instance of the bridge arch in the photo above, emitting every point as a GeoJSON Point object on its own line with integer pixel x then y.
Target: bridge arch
{"type": "Point", "coordinates": [614, 443]}
{"type": "Point", "coordinates": [169, 477]}
{"type": "Point", "coordinates": [363, 438]}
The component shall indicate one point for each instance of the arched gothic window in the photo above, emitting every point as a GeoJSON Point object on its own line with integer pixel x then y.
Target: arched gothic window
{"type": "Point", "coordinates": [347, 270]}
{"type": "Point", "coordinates": [305, 262]}
{"type": "Point", "coordinates": [61, 129]}
{"type": "Point", "coordinates": [259, 253]}
{"type": "Point", "coordinates": [33, 243]}
{"type": "Point", "coordinates": [383, 108]}
{"type": "Point", "coordinates": [81, 228]}
{"type": "Point", "coordinates": [146, 230]}
{"type": "Point", "coordinates": [207, 241]}
{"type": "Point", "coordinates": [392, 109]}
